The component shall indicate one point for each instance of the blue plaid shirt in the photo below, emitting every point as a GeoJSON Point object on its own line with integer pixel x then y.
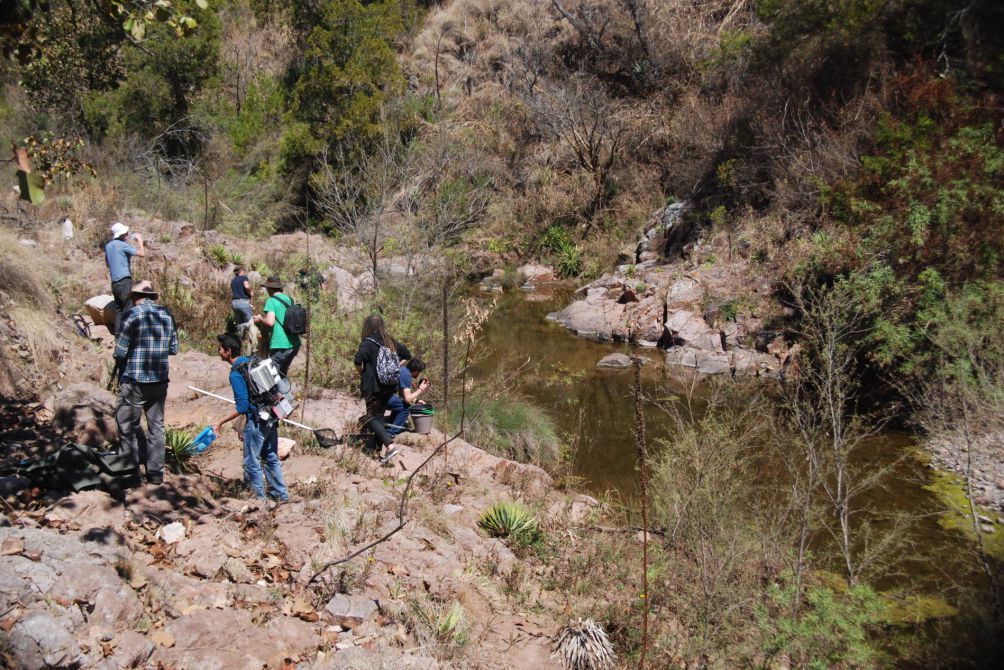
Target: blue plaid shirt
{"type": "Point", "coordinates": [146, 338]}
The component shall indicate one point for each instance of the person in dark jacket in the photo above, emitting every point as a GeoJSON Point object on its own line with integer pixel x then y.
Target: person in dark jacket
{"type": "Point", "coordinates": [377, 395]}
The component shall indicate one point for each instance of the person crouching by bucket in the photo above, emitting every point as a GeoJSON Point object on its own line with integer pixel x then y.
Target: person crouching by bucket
{"type": "Point", "coordinates": [409, 393]}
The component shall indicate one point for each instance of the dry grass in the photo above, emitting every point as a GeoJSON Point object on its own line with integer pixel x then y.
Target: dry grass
{"type": "Point", "coordinates": [19, 275]}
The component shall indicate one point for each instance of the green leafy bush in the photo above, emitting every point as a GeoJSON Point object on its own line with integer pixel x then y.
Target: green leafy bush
{"type": "Point", "coordinates": [510, 520]}
{"type": "Point", "coordinates": [832, 630]}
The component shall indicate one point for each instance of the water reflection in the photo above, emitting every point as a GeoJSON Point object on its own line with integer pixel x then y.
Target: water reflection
{"type": "Point", "coordinates": [593, 410]}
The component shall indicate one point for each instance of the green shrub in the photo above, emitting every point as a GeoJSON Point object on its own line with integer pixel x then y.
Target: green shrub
{"type": "Point", "coordinates": [570, 261]}
{"type": "Point", "coordinates": [219, 255]}
{"type": "Point", "coordinates": [554, 239]}
{"type": "Point", "coordinates": [510, 520]}
{"type": "Point", "coordinates": [237, 258]}
{"type": "Point", "coordinates": [832, 630]}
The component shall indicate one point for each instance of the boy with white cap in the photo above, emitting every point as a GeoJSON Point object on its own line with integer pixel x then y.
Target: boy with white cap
{"type": "Point", "coordinates": [117, 258]}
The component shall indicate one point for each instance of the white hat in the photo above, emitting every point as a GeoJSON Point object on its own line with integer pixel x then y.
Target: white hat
{"type": "Point", "coordinates": [119, 229]}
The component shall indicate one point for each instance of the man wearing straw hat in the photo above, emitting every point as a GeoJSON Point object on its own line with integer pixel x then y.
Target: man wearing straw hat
{"type": "Point", "coordinates": [147, 337]}
{"type": "Point", "coordinates": [118, 253]}
{"type": "Point", "coordinates": [282, 346]}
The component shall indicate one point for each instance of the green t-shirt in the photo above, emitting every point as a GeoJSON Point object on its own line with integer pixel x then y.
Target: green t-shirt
{"type": "Point", "coordinates": [280, 340]}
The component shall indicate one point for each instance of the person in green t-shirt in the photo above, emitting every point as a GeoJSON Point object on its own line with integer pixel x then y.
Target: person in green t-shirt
{"type": "Point", "coordinates": [283, 346]}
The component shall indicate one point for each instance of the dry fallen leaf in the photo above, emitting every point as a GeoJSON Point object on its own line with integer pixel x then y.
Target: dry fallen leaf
{"type": "Point", "coordinates": [137, 581]}
{"type": "Point", "coordinates": [287, 664]}
{"type": "Point", "coordinates": [8, 622]}
{"type": "Point", "coordinates": [163, 638]}
{"type": "Point", "coordinates": [11, 546]}
{"type": "Point", "coordinates": [310, 617]}
{"type": "Point", "coordinates": [301, 606]}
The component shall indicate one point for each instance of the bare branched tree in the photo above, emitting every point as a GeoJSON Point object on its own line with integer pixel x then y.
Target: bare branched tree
{"type": "Point", "coordinates": [454, 188]}
{"type": "Point", "coordinates": [824, 414]}
{"type": "Point", "coordinates": [358, 197]}
{"type": "Point", "coordinates": [598, 130]}
{"type": "Point", "coordinates": [250, 49]}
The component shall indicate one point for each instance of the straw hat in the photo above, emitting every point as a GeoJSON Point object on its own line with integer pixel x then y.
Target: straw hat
{"type": "Point", "coordinates": [273, 282]}
{"type": "Point", "coordinates": [119, 229]}
{"type": "Point", "coordinates": [145, 289]}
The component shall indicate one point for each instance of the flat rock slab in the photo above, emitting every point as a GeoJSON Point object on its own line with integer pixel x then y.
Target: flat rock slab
{"type": "Point", "coordinates": [225, 639]}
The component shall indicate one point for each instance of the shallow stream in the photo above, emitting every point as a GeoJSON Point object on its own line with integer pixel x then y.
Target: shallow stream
{"type": "Point", "coordinates": [593, 410]}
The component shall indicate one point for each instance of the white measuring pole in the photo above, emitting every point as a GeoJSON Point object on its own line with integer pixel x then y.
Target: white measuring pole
{"type": "Point", "coordinates": [231, 401]}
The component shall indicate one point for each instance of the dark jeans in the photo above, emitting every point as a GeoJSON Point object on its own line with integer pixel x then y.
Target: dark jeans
{"type": "Point", "coordinates": [135, 400]}
{"type": "Point", "coordinates": [283, 358]}
{"type": "Point", "coordinates": [376, 405]}
{"type": "Point", "coordinates": [123, 300]}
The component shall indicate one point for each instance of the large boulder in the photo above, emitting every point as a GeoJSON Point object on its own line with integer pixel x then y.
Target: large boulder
{"type": "Point", "coordinates": [689, 329]}
{"type": "Point", "coordinates": [665, 231]}
{"type": "Point", "coordinates": [39, 641]}
{"type": "Point", "coordinates": [101, 309]}
{"type": "Point", "coordinates": [596, 316]}
{"type": "Point", "coordinates": [537, 274]}
{"type": "Point", "coordinates": [87, 412]}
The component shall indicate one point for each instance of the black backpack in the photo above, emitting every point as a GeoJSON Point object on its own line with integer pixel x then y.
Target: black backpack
{"type": "Point", "coordinates": [295, 320]}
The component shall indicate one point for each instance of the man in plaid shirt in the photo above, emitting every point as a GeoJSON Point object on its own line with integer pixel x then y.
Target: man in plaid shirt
{"type": "Point", "coordinates": [146, 338]}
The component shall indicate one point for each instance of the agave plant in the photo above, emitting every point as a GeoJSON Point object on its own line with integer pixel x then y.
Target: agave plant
{"type": "Point", "coordinates": [179, 446]}
{"type": "Point", "coordinates": [237, 258]}
{"type": "Point", "coordinates": [450, 627]}
{"type": "Point", "coordinates": [584, 645]}
{"type": "Point", "coordinates": [219, 255]}
{"type": "Point", "coordinates": [510, 520]}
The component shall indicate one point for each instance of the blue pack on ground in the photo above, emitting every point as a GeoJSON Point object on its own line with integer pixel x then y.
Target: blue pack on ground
{"type": "Point", "coordinates": [203, 440]}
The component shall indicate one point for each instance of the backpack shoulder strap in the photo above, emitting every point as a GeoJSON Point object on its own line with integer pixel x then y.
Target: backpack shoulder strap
{"type": "Point", "coordinates": [287, 304]}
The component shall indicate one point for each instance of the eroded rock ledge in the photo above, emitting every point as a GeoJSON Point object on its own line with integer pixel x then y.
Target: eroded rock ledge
{"type": "Point", "coordinates": [692, 312]}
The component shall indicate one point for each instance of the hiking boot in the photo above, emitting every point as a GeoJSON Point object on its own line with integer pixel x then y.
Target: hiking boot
{"type": "Point", "coordinates": [389, 455]}
{"type": "Point", "coordinates": [155, 478]}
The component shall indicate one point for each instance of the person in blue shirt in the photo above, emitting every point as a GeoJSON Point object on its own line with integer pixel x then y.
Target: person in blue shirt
{"type": "Point", "coordinates": [118, 253]}
{"type": "Point", "coordinates": [261, 438]}
{"type": "Point", "coordinates": [400, 403]}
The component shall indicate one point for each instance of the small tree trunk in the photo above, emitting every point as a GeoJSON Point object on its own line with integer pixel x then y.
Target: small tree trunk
{"type": "Point", "coordinates": [639, 438]}
{"type": "Point", "coordinates": [446, 344]}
